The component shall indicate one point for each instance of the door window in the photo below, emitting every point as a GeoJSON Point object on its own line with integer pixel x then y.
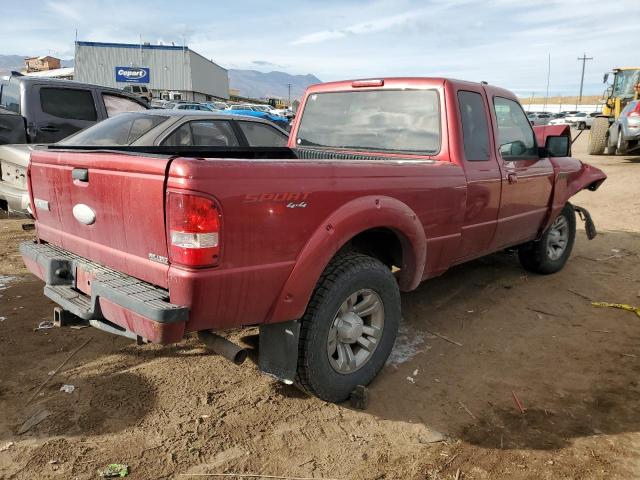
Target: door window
{"type": "Point", "coordinates": [204, 133]}
{"type": "Point", "coordinates": [116, 104]}
{"type": "Point", "coordinates": [515, 135]}
{"type": "Point", "coordinates": [260, 135]}
{"type": "Point", "coordinates": [475, 129]}
{"type": "Point", "coordinates": [68, 103]}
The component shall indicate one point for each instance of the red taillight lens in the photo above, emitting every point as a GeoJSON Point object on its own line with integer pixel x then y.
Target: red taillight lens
{"type": "Point", "coordinates": [194, 230]}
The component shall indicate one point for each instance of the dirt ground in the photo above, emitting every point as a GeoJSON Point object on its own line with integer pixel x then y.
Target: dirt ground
{"type": "Point", "coordinates": [437, 409]}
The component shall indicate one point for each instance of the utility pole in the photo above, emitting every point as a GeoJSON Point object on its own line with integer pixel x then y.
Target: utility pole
{"type": "Point", "coordinates": [289, 86]}
{"type": "Point", "coordinates": [584, 59]}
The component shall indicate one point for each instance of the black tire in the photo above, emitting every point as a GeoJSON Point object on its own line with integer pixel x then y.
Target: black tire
{"type": "Point", "coordinates": [582, 126]}
{"type": "Point", "coordinates": [598, 136]}
{"type": "Point", "coordinates": [622, 146]}
{"type": "Point", "coordinates": [345, 275]}
{"type": "Point", "coordinates": [536, 257]}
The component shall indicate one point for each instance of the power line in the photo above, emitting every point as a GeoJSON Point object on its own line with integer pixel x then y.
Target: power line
{"type": "Point", "coordinates": [584, 59]}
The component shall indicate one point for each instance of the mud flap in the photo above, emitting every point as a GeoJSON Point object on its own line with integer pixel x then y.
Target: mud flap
{"type": "Point", "coordinates": [278, 351]}
{"type": "Point", "coordinates": [589, 226]}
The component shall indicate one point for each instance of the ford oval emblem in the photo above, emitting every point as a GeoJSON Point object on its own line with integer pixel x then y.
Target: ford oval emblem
{"type": "Point", "coordinates": [84, 214]}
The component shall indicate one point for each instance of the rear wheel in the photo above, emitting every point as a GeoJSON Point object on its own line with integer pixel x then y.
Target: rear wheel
{"type": "Point", "coordinates": [552, 250]}
{"type": "Point", "coordinates": [349, 327]}
{"type": "Point", "coordinates": [598, 136]}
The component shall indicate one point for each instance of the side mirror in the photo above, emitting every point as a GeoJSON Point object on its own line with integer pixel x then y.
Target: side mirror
{"type": "Point", "coordinates": [605, 78]}
{"type": "Point", "coordinates": [558, 146]}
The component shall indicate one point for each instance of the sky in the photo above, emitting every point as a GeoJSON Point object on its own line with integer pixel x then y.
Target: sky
{"type": "Point", "coordinates": [504, 42]}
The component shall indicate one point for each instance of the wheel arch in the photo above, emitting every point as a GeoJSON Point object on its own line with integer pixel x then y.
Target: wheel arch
{"type": "Point", "coordinates": [367, 224]}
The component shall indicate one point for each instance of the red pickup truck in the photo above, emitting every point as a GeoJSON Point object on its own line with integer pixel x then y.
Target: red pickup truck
{"type": "Point", "coordinates": [385, 183]}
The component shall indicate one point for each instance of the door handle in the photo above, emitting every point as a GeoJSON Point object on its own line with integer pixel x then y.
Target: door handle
{"type": "Point", "coordinates": [80, 174]}
{"type": "Point", "coordinates": [49, 128]}
{"type": "Point", "coordinates": [512, 177]}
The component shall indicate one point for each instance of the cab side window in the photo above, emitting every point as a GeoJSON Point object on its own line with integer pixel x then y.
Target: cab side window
{"type": "Point", "coordinates": [516, 138]}
{"type": "Point", "coordinates": [68, 103]}
{"type": "Point", "coordinates": [475, 129]}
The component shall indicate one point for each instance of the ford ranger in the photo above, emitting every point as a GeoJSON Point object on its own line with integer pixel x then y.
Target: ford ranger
{"type": "Point", "coordinates": [385, 183]}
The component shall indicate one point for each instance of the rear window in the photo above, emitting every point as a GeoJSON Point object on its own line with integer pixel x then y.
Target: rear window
{"type": "Point", "coordinates": [68, 103]}
{"type": "Point", "coordinates": [260, 135]}
{"type": "Point", "coordinates": [123, 129]}
{"type": "Point", "coordinates": [10, 96]}
{"type": "Point", "coordinates": [405, 121]}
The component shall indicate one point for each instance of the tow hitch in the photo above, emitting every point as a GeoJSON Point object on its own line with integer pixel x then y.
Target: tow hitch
{"type": "Point", "coordinates": [589, 226]}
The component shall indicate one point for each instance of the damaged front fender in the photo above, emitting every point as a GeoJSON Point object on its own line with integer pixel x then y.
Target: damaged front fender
{"type": "Point", "coordinates": [570, 177]}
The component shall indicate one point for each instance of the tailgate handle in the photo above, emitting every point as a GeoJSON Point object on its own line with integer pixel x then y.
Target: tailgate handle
{"type": "Point", "coordinates": [81, 174]}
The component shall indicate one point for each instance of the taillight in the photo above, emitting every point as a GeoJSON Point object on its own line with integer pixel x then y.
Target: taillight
{"type": "Point", "coordinates": [635, 112]}
{"type": "Point", "coordinates": [194, 230]}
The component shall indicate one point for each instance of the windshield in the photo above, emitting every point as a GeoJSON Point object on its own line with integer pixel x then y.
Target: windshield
{"type": "Point", "coordinates": [625, 81]}
{"type": "Point", "coordinates": [121, 130]}
{"type": "Point", "coordinates": [381, 120]}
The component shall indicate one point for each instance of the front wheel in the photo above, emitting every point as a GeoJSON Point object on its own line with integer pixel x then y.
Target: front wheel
{"type": "Point", "coordinates": [552, 250]}
{"type": "Point", "coordinates": [598, 136]}
{"type": "Point", "coordinates": [349, 327]}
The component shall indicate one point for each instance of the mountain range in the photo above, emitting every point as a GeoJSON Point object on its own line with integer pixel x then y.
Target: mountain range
{"type": "Point", "coordinates": [249, 83]}
{"type": "Point", "coordinates": [254, 84]}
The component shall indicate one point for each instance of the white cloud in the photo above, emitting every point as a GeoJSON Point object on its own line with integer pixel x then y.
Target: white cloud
{"type": "Point", "coordinates": [65, 9]}
{"type": "Point", "coordinates": [372, 26]}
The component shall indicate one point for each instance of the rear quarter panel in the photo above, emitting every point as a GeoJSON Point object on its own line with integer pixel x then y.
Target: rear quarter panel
{"type": "Point", "coordinates": [262, 237]}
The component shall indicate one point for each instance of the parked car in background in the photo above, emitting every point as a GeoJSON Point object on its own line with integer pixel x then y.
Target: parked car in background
{"type": "Point", "coordinates": [193, 106]}
{"type": "Point", "coordinates": [140, 91]}
{"type": "Point", "coordinates": [254, 111]}
{"type": "Point", "coordinates": [282, 112]}
{"type": "Point", "coordinates": [52, 109]}
{"type": "Point", "coordinates": [217, 105]}
{"type": "Point", "coordinates": [539, 118]}
{"type": "Point", "coordinates": [624, 133]}
{"type": "Point", "coordinates": [174, 128]}
{"type": "Point", "coordinates": [581, 120]}
{"type": "Point", "coordinates": [14, 160]}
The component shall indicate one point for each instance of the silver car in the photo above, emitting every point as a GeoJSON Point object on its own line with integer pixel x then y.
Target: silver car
{"type": "Point", "coordinates": [164, 127]}
{"type": "Point", "coordinates": [539, 118]}
{"type": "Point", "coordinates": [624, 133]}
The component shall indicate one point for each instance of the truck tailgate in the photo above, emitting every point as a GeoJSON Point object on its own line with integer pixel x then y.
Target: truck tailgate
{"type": "Point", "coordinates": [107, 207]}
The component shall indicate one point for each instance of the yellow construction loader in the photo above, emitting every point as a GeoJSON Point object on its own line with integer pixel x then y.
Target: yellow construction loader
{"type": "Point", "coordinates": [625, 88]}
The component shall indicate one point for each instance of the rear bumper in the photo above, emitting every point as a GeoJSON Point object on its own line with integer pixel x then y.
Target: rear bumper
{"type": "Point", "coordinates": [117, 302]}
{"type": "Point", "coordinates": [17, 198]}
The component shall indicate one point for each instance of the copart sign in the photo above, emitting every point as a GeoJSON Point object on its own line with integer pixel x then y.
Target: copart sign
{"type": "Point", "coordinates": [132, 74]}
